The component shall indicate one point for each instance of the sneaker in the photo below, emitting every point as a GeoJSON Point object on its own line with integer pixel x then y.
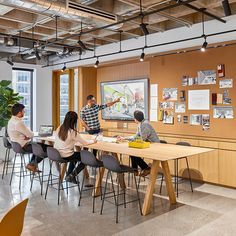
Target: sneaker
{"type": "Point", "coordinates": [145, 172]}
{"type": "Point", "coordinates": [71, 178]}
{"type": "Point", "coordinates": [32, 167]}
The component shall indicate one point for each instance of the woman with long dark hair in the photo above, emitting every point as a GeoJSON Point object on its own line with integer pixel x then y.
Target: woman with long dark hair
{"type": "Point", "coordinates": [66, 137]}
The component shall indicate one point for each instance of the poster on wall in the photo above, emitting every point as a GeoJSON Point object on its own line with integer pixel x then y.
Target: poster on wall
{"type": "Point", "coordinates": [179, 118]}
{"type": "Point", "coordinates": [180, 107]}
{"type": "Point", "coordinates": [226, 98]}
{"type": "Point", "coordinates": [185, 80]}
{"type": "Point", "coordinates": [195, 119]}
{"type": "Point", "coordinates": [154, 90]}
{"type": "Point", "coordinates": [206, 77]}
{"type": "Point", "coordinates": [168, 117]}
{"type": "Point", "coordinates": [192, 81]}
{"type": "Point", "coordinates": [199, 99]}
{"type": "Point", "coordinates": [170, 94]}
{"type": "Point", "coordinates": [205, 122]}
{"type": "Point", "coordinates": [166, 105]}
{"type": "Point", "coordinates": [223, 112]}
{"type": "Point", "coordinates": [226, 83]}
{"type": "Point", "coordinates": [185, 119]}
{"type": "Point", "coordinates": [153, 115]}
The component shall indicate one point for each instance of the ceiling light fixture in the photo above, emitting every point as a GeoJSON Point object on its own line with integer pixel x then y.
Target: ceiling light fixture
{"type": "Point", "coordinates": [64, 67]}
{"type": "Point", "coordinates": [96, 63]}
{"type": "Point", "coordinates": [204, 46]}
{"type": "Point", "coordinates": [142, 56]}
{"type": "Point", "coordinates": [37, 55]}
{"type": "Point", "coordinates": [226, 7]}
{"type": "Point", "coordinates": [9, 61]}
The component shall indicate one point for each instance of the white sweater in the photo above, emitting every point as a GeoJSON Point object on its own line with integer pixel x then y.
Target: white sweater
{"type": "Point", "coordinates": [66, 148]}
{"type": "Point", "coordinates": [18, 132]}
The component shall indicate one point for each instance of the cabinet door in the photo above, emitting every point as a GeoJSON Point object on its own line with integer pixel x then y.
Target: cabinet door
{"type": "Point", "coordinates": [227, 165]}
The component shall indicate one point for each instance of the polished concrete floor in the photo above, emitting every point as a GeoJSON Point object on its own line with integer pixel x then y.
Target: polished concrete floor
{"type": "Point", "coordinates": [210, 210]}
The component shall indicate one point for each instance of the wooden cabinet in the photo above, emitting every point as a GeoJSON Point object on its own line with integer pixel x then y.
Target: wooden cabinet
{"type": "Point", "coordinates": [217, 167]}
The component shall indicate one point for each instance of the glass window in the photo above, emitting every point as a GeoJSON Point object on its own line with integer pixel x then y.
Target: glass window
{"type": "Point", "coordinates": [22, 84]}
{"type": "Point", "coordinates": [64, 96]}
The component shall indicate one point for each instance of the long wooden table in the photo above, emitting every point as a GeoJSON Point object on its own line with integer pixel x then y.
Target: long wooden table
{"type": "Point", "coordinates": [158, 153]}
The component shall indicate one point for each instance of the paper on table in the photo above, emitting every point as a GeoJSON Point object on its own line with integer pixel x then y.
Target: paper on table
{"type": "Point", "coordinates": [154, 88]}
{"type": "Point", "coordinates": [154, 103]}
{"type": "Point", "coordinates": [153, 115]}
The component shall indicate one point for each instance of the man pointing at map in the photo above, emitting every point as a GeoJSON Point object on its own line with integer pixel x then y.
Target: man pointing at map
{"type": "Point", "coordinates": [89, 114]}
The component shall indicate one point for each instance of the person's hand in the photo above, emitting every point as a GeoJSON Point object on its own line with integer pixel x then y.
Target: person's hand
{"type": "Point", "coordinates": [119, 138]}
{"type": "Point", "coordinates": [117, 100]}
{"type": "Point", "coordinates": [87, 128]}
{"type": "Point", "coordinates": [95, 141]}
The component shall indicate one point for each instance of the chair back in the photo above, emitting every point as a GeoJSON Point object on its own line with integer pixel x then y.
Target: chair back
{"type": "Point", "coordinates": [38, 150]}
{"type": "Point", "coordinates": [183, 143]}
{"type": "Point", "coordinates": [6, 143]}
{"type": "Point", "coordinates": [111, 163]}
{"type": "Point", "coordinates": [13, 221]}
{"type": "Point", "coordinates": [88, 158]}
{"type": "Point", "coordinates": [54, 155]}
{"type": "Point", "coordinates": [163, 141]}
{"type": "Point", "coordinates": [17, 147]}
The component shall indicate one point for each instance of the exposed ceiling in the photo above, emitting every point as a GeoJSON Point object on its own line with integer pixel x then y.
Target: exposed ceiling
{"type": "Point", "coordinates": [28, 24]}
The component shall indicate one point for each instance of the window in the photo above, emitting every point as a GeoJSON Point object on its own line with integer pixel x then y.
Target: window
{"type": "Point", "coordinates": [22, 84]}
{"type": "Point", "coordinates": [64, 96]}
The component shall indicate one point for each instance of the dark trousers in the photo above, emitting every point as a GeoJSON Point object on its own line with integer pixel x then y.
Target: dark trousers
{"type": "Point", "coordinates": [138, 161]}
{"type": "Point", "coordinates": [34, 159]}
{"type": "Point", "coordinates": [94, 131]}
{"type": "Point", "coordinates": [74, 159]}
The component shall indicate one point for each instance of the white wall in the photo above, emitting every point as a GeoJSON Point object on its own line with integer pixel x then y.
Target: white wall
{"type": "Point", "coordinates": [42, 89]}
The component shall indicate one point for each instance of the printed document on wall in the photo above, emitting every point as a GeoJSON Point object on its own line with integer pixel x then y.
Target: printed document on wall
{"type": "Point", "coordinates": [199, 99]}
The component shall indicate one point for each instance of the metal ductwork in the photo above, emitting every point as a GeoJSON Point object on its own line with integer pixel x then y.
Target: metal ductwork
{"type": "Point", "coordinates": [66, 9]}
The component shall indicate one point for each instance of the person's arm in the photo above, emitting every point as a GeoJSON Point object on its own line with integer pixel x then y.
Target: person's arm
{"type": "Point", "coordinates": [83, 141]}
{"type": "Point", "coordinates": [82, 118]}
{"type": "Point", "coordinates": [109, 104]}
{"type": "Point", "coordinates": [145, 131]}
{"type": "Point", "coordinates": [21, 127]}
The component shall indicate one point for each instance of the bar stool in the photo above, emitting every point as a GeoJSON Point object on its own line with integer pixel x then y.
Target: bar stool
{"type": "Point", "coordinates": [176, 164]}
{"type": "Point", "coordinates": [38, 152]}
{"type": "Point", "coordinates": [8, 147]}
{"type": "Point", "coordinates": [55, 157]}
{"type": "Point", "coordinates": [113, 166]}
{"type": "Point", "coordinates": [88, 159]}
{"type": "Point", "coordinates": [16, 147]}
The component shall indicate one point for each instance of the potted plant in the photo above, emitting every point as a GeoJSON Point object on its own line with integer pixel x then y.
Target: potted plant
{"type": "Point", "coordinates": [7, 99]}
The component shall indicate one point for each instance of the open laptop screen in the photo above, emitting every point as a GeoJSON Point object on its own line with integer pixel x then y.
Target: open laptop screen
{"type": "Point", "coordinates": [46, 130]}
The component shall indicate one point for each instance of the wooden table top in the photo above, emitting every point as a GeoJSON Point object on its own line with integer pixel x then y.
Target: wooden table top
{"type": "Point", "coordinates": [157, 151]}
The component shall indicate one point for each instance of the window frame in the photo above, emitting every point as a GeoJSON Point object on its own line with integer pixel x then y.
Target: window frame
{"type": "Point", "coordinates": [31, 91]}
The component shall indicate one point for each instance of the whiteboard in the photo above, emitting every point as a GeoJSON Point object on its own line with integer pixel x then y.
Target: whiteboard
{"type": "Point", "coordinates": [199, 99]}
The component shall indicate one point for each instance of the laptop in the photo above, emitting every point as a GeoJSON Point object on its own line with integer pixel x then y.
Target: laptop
{"type": "Point", "coordinates": [45, 130]}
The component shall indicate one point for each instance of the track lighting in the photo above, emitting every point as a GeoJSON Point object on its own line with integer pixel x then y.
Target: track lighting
{"type": "Point", "coordinates": [204, 46]}
{"type": "Point", "coordinates": [64, 67]}
{"type": "Point", "coordinates": [37, 55]}
{"type": "Point", "coordinates": [9, 61]}
{"type": "Point", "coordinates": [143, 27]}
{"type": "Point", "coordinates": [226, 7]}
{"type": "Point", "coordinates": [142, 56]}
{"type": "Point", "coordinates": [96, 63]}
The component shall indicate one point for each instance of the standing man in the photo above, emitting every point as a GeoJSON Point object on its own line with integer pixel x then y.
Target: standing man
{"type": "Point", "coordinates": [89, 114]}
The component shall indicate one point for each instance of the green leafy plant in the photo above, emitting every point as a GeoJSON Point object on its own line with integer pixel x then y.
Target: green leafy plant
{"type": "Point", "coordinates": [7, 99]}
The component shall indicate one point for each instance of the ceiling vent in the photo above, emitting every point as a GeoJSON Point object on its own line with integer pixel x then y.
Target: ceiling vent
{"type": "Point", "coordinates": [87, 11]}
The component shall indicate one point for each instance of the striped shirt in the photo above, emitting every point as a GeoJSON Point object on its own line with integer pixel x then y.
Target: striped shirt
{"type": "Point", "coordinates": [90, 115]}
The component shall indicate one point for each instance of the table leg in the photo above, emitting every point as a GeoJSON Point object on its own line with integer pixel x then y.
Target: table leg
{"type": "Point", "coordinates": [98, 184]}
{"type": "Point", "coordinates": [168, 180]}
{"type": "Point", "coordinates": [150, 188]}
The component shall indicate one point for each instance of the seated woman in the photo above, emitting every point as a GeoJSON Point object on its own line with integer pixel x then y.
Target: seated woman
{"type": "Point", "coordinates": [66, 137]}
{"type": "Point", "coordinates": [147, 133]}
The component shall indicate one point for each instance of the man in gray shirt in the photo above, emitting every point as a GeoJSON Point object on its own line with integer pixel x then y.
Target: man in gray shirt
{"type": "Point", "coordinates": [147, 133]}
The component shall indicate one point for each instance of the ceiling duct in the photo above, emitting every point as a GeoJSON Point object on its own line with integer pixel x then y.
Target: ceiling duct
{"type": "Point", "coordinates": [87, 11]}
{"type": "Point", "coordinates": [66, 9]}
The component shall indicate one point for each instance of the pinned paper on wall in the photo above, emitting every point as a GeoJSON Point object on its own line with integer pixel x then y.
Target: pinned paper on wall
{"type": "Point", "coordinates": [199, 99]}
{"type": "Point", "coordinates": [154, 103]}
{"type": "Point", "coordinates": [153, 115]}
{"type": "Point", "coordinates": [154, 90]}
